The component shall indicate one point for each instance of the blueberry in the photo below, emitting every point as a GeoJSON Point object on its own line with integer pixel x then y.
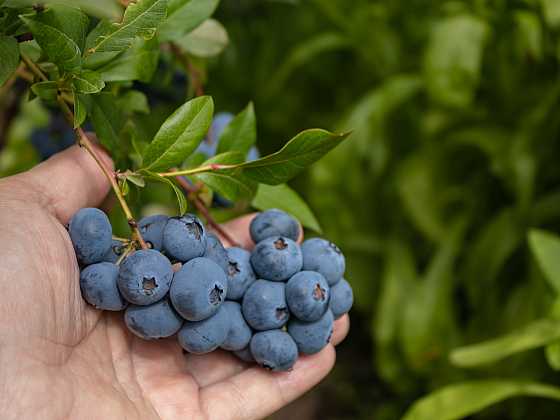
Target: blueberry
{"type": "Point", "coordinates": [245, 355]}
{"type": "Point", "coordinates": [151, 228]}
{"type": "Point", "coordinates": [253, 154]}
{"type": "Point", "coordinates": [98, 283]}
{"type": "Point", "coordinates": [219, 123]}
{"type": "Point", "coordinates": [311, 337]}
{"type": "Point", "coordinates": [216, 252]}
{"type": "Point", "coordinates": [239, 272]}
{"type": "Point", "coordinates": [158, 320]}
{"type": "Point", "coordinates": [145, 277]}
{"type": "Point", "coordinates": [274, 222]}
{"type": "Point", "coordinates": [115, 251]}
{"type": "Point", "coordinates": [342, 298]}
{"type": "Point", "coordinates": [239, 333]}
{"type": "Point", "coordinates": [324, 257]}
{"type": "Point", "coordinates": [207, 335]}
{"type": "Point", "coordinates": [91, 234]}
{"type": "Point", "coordinates": [276, 258]}
{"type": "Point", "coordinates": [274, 350]}
{"type": "Point", "coordinates": [184, 238]}
{"type": "Point", "coordinates": [206, 148]}
{"type": "Point", "coordinates": [198, 289]}
{"type": "Point", "coordinates": [307, 294]}
{"type": "Point", "coordinates": [264, 305]}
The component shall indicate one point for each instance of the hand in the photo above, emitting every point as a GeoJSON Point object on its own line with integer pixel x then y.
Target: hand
{"type": "Point", "coordinates": [60, 358]}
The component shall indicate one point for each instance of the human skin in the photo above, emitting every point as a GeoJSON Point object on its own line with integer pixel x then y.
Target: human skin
{"type": "Point", "coordinates": [61, 358]}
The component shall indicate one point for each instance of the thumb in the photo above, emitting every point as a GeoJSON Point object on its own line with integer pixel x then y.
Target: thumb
{"type": "Point", "coordinates": [69, 181]}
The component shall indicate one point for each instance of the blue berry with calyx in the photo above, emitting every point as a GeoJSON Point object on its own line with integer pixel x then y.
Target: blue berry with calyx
{"type": "Point", "coordinates": [204, 336]}
{"type": "Point", "coordinates": [324, 257]}
{"type": "Point", "coordinates": [307, 295]}
{"type": "Point", "coordinates": [98, 283]}
{"type": "Point", "coordinates": [151, 229]}
{"type": "Point", "coordinates": [184, 238]}
{"type": "Point", "coordinates": [240, 333]}
{"type": "Point", "coordinates": [115, 251]}
{"type": "Point", "coordinates": [276, 258]}
{"type": "Point", "coordinates": [151, 322]}
{"type": "Point", "coordinates": [216, 252]}
{"type": "Point", "coordinates": [264, 305]}
{"type": "Point", "coordinates": [240, 273]}
{"type": "Point", "coordinates": [91, 234]}
{"type": "Point", "coordinates": [275, 350]}
{"type": "Point", "coordinates": [145, 277]}
{"type": "Point", "coordinates": [342, 298]}
{"type": "Point", "coordinates": [274, 222]}
{"type": "Point", "coordinates": [312, 337]}
{"type": "Point", "coordinates": [199, 288]}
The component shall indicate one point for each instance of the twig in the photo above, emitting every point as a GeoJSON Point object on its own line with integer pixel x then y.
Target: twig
{"type": "Point", "coordinates": [193, 73]}
{"type": "Point", "coordinates": [201, 207]}
{"type": "Point", "coordinates": [34, 68]}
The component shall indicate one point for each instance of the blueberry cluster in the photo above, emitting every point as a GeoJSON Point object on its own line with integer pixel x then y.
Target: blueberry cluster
{"type": "Point", "coordinates": [266, 306]}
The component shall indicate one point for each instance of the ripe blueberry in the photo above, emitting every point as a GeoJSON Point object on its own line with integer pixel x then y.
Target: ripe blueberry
{"type": "Point", "coordinates": [207, 335]}
{"type": "Point", "coordinates": [239, 333]}
{"type": "Point", "coordinates": [239, 272]}
{"type": "Point", "coordinates": [274, 222]}
{"type": "Point", "coordinates": [275, 350]}
{"type": "Point", "coordinates": [151, 228]}
{"type": "Point", "coordinates": [324, 257]}
{"type": "Point", "coordinates": [158, 320]}
{"type": "Point", "coordinates": [311, 337]}
{"type": "Point", "coordinates": [264, 305]}
{"type": "Point", "coordinates": [98, 283]}
{"type": "Point", "coordinates": [91, 234]}
{"type": "Point", "coordinates": [145, 277]}
{"type": "Point", "coordinates": [342, 298]}
{"type": "Point", "coordinates": [276, 258]}
{"type": "Point", "coordinates": [216, 252]}
{"type": "Point", "coordinates": [307, 294]}
{"type": "Point", "coordinates": [184, 238]}
{"type": "Point", "coordinates": [198, 289]}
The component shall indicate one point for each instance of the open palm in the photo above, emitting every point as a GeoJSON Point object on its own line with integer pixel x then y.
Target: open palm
{"type": "Point", "coordinates": [60, 358]}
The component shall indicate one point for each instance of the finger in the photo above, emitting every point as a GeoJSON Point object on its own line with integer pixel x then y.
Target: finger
{"type": "Point", "coordinates": [69, 181]}
{"type": "Point", "coordinates": [256, 393]}
{"type": "Point", "coordinates": [341, 328]}
{"type": "Point", "coordinates": [208, 369]}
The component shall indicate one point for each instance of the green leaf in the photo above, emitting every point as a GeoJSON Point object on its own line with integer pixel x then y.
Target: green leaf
{"type": "Point", "coordinates": [240, 134]}
{"type": "Point", "coordinates": [88, 82]}
{"type": "Point", "coordinates": [45, 90]}
{"type": "Point", "coordinates": [136, 179]}
{"type": "Point", "coordinates": [301, 151]}
{"type": "Point", "coordinates": [80, 110]}
{"type": "Point", "coordinates": [229, 185]}
{"type": "Point", "coordinates": [181, 200]}
{"type": "Point", "coordinates": [284, 198]}
{"type": "Point", "coordinates": [184, 16]}
{"type": "Point", "coordinates": [453, 59]}
{"type": "Point", "coordinates": [134, 101]}
{"type": "Point", "coordinates": [536, 334]}
{"type": "Point", "coordinates": [107, 121]}
{"type": "Point", "coordinates": [137, 63]}
{"type": "Point", "coordinates": [58, 46]}
{"type": "Point", "coordinates": [545, 246]}
{"type": "Point", "coordinates": [461, 400]}
{"type": "Point", "coordinates": [100, 8]}
{"type": "Point", "coordinates": [9, 51]}
{"type": "Point", "coordinates": [141, 18]}
{"type": "Point", "coordinates": [180, 134]}
{"type": "Point", "coordinates": [208, 40]}
{"type": "Point", "coordinates": [551, 12]}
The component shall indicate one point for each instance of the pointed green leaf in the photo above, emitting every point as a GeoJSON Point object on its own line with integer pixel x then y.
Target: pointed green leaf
{"type": "Point", "coordinates": [461, 400]}
{"type": "Point", "coordinates": [180, 134]}
{"type": "Point", "coordinates": [45, 90]}
{"type": "Point", "coordinates": [184, 16]}
{"type": "Point", "coordinates": [9, 51]}
{"type": "Point", "coordinates": [136, 179]}
{"type": "Point", "coordinates": [80, 110]}
{"type": "Point", "coordinates": [284, 198]}
{"type": "Point", "coordinates": [139, 62]}
{"type": "Point", "coordinates": [181, 200]}
{"type": "Point", "coordinates": [108, 122]}
{"type": "Point", "coordinates": [141, 18]}
{"type": "Point", "coordinates": [240, 134]}
{"type": "Point", "coordinates": [208, 40]}
{"type": "Point", "coordinates": [546, 249]}
{"type": "Point", "coordinates": [88, 82]}
{"type": "Point", "coordinates": [534, 335]}
{"type": "Point", "coordinates": [301, 151]}
{"type": "Point", "coordinates": [229, 185]}
{"type": "Point", "coordinates": [100, 8]}
{"type": "Point", "coordinates": [134, 101]}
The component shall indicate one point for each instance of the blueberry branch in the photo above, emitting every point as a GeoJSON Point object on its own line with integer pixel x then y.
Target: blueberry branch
{"type": "Point", "coordinates": [193, 73]}
{"type": "Point", "coordinates": [192, 195]}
